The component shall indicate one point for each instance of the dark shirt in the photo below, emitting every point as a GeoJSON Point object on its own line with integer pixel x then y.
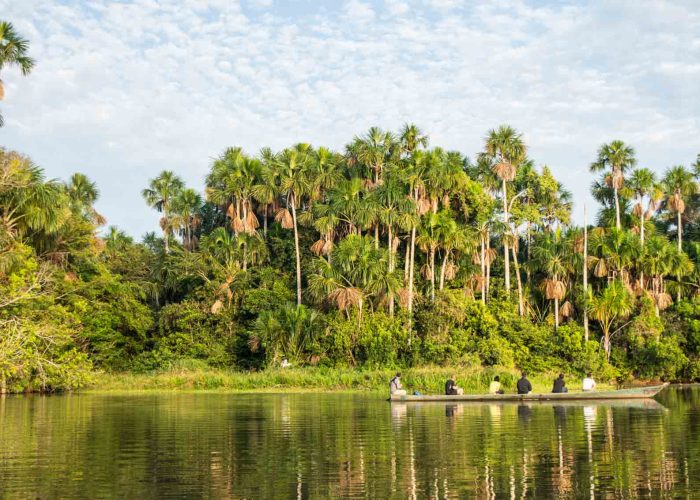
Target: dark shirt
{"type": "Point", "coordinates": [559, 385]}
{"type": "Point", "coordinates": [450, 388]}
{"type": "Point", "coordinates": [524, 386]}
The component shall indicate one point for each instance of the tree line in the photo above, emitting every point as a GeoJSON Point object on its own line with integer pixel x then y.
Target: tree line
{"type": "Point", "coordinates": [388, 252]}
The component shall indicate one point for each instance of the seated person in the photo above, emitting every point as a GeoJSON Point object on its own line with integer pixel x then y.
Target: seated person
{"type": "Point", "coordinates": [559, 385]}
{"type": "Point", "coordinates": [395, 386]}
{"type": "Point", "coordinates": [495, 387]}
{"type": "Point", "coordinates": [524, 386]}
{"type": "Point", "coordinates": [588, 383]}
{"type": "Point", "coordinates": [451, 388]}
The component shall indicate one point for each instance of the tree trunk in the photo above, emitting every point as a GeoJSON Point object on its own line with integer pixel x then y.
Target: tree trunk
{"type": "Point", "coordinates": [617, 209]}
{"type": "Point", "coordinates": [505, 240]}
{"type": "Point", "coordinates": [445, 260]}
{"type": "Point", "coordinates": [410, 284]}
{"type": "Point", "coordinates": [641, 239]}
{"type": "Point", "coordinates": [556, 314]}
{"type": "Point", "coordinates": [376, 236]}
{"type": "Point", "coordinates": [680, 249]}
{"type": "Point", "coordinates": [391, 269]}
{"type": "Point", "coordinates": [432, 274]}
{"type": "Point", "coordinates": [265, 222]}
{"type": "Point", "coordinates": [529, 245]}
{"type": "Point", "coordinates": [406, 263]}
{"type": "Point", "coordinates": [483, 270]}
{"type": "Point", "coordinates": [411, 265]}
{"type": "Point", "coordinates": [488, 267]}
{"type": "Point", "coordinates": [521, 304]}
{"type": "Point", "coordinates": [585, 273]}
{"type": "Point", "coordinates": [296, 249]}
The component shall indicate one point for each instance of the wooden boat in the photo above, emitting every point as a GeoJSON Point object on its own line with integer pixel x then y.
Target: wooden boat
{"type": "Point", "coordinates": [631, 393]}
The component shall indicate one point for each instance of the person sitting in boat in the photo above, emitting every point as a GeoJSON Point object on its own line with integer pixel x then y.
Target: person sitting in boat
{"type": "Point", "coordinates": [559, 385]}
{"type": "Point", "coordinates": [588, 383]}
{"type": "Point", "coordinates": [524, 386]}
{"type": "Point", "coordinates": [495, 387]}
{"type": "Point", "coordinates": [395, 387]}
{"type": "Point", "coordinates": [451, 388]}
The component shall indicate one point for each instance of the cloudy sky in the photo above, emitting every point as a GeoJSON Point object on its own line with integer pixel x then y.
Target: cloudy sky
{"type": "Point", "coordinates": [123, 90]}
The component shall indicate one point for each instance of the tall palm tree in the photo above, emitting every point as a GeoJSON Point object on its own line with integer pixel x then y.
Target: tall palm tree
{"type": "Point", "coordinates": [159, 194]}
{"type": "Point", "coordinates": [679, 184]}
{"type": "Point", "coordinates": [643, 186]}
{"type": "Point", "coordinates": [13, 52]}
{"type": "Point", "coordinates": [293, 166]}
{"type": "Point", "coordinates": [619, 158]}
{"type": "Point", "coordinates": [614, 303]}
{"type": "Point", "coordinates": [186, 208]}
{"type": "Point", "coordinates": [507, 148]}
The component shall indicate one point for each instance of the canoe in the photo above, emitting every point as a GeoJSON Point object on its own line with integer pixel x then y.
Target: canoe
{"type": "Point", "coordinates": [632, 393]}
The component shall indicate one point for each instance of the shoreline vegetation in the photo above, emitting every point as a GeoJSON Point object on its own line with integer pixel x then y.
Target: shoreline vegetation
{"type": "Point", "coordinates": [426, 380]}
{"type": "Point", "coordinates": [386, 252]}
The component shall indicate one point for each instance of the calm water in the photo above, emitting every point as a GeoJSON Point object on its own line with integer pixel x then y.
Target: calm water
{"type": "Point", "coordinates": [320, 446]}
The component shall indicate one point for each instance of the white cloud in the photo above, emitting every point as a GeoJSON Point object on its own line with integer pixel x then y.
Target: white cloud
{"type": "Point", "coordinates": [124, 90]}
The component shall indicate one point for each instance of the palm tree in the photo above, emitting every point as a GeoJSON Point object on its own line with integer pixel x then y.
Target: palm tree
{"type": "Point", "coordinates": [13, 52]}
{"type": "Point", "coordinates": [643, 185]}
{"type": "Point", "coordinates": [619, 158]}
{"type": "Point", "coordinates": [293, 167]}
{"type": "Point", "coordinates": [359, 272]}
{"type": "Point", "coordinates": [286, 333]}
{"type": "Point", "coordinates": [551, 255]}
{"type": "Point", "coordinates": [506, 147]}
{"type": "Point", "coordinates": [679, 184]}
{"type": "Point", "coordinates": [186, 208]}
{"type": "Point", "coordinates": [83, 194]}
{"type": "Point", "coordinates": [160, 194]}
{"type": "Point", "coordinates": [615, 302]}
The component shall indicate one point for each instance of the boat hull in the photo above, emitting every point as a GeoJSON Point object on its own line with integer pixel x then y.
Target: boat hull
{"type": "Point", "coordinates": [633, 393]}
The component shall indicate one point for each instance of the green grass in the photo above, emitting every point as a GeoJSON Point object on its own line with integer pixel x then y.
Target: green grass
{"type": "Point", "coordinates": [427, 380]}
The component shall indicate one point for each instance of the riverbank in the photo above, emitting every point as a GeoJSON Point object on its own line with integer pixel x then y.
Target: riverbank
{"type": "Point", "coordinates": [427, 380]}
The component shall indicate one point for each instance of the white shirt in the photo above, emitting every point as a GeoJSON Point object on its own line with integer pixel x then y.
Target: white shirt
{"type": "Point", "coordinates": [588, 384]}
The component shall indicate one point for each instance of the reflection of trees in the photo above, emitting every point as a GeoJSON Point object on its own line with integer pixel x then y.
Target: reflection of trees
{"type": "Point", "coordinates": [320, 446]}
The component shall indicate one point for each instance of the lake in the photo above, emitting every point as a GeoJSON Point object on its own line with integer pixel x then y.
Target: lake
{"type": "Point", "coordinates": [329, 445]}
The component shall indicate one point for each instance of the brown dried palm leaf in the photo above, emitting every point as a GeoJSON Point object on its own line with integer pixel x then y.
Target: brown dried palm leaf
{"type": "Point", "coordinates": [578, 244]}
{"type": "Point", "coordinates": [676, 203]}
{"type": "Point", "coordinates": [251, 222]}
{"type": "Point", "coordinates": [237, 225]}
{"type": "Point", "coordinates": [637, 210]}
{"type": "Point", "coordinates": [426, 272]}
{"type": "Point", "coordinates": [317, 247]}
{"type": "Point", "coordinates": [423, 206]}
{"type": "Point", "coordinates": [476, 258]}
{"type": "Point", "coordinates": [490, 255]}
{"type": "Point", "coordinates": [327, 247]}
{"type": "Point", "coordinates": [345, 298]}
{"type": "Point", "coordinates": [284, 217]}
{"type": "Point", "coordinates": [505, 171]}
{"type": "Point", "coordinates": [395, 244]}
{"type": "Point", "coordinates": [566, 309]}
{"type": "Point", "coordinates": [554, 289]}
{"type": "Point", "coordinates": [662, 300]}
{"type": "Point", "coordinates": [649, 213]}
{"type": "Point", "coordinates": [231, 211]}
{"type": "Point", "coordinates": [601, 268]}
{"type": "Point", "coordinates": [402, 296]}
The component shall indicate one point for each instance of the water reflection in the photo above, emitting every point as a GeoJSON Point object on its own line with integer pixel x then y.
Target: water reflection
{"type": "Point", "coordinates": [320, 446]}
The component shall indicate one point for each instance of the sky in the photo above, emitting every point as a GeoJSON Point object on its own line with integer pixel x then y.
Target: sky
{"type": "Point", "coordinates": [123, 90]}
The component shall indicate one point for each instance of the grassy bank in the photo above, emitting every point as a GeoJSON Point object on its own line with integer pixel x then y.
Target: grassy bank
{"type": "Point", "coordinates": [427, 380]}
